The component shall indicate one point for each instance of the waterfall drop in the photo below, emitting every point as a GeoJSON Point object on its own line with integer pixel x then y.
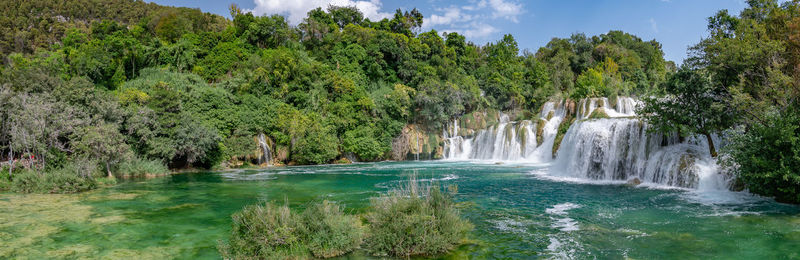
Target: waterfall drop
{"type": "Point", "coordinates": [614, 147]}
{"type": "Point", "coordinates": [266, 153]}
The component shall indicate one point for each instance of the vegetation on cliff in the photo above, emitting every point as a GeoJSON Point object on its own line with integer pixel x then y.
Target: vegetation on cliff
{"type": "Point", "coordinates": [122, 82]}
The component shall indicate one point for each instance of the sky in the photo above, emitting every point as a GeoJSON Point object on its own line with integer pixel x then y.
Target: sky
{"type": "Point", "coordinates": [676, 24]}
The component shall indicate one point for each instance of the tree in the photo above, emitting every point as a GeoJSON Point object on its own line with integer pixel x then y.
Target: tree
{"type": "Point", "coordinates": [766, 157]}
{"type": "Point", "coordinates": [102, 142]}
{"type": "Point", "coordinates": [589, 84]}
{"type": "Point", "coordinates": [693, 106]}
{"type": "Point", "coordinates": [268, 31]}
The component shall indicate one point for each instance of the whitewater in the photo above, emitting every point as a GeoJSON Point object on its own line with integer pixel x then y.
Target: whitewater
{"type": "Point", "coordinates": [617, 148]}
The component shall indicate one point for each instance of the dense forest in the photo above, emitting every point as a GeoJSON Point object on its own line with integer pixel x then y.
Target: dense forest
{"type": "Point", "coordinates": [121, 87]}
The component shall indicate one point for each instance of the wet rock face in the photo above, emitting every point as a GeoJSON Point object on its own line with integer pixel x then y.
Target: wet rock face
{"type": "Point", "coordinates": [687, 173]}
{"type": "Point", "coordinates": [415, 143]}
{"type": "Point", "coordinates": [596, 169]}
{"type": "Point", "coordinates": [634, 182]}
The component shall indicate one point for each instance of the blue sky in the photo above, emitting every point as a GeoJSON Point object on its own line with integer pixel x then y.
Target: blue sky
{"type": "Point", "coordinates": [677, 24]}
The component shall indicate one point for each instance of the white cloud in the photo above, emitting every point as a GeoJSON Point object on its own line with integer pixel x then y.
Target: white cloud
{"type": "Point", "coordinates": [654, 25]}
{"type": "Point", "coordinates": [474, 19]}
{"type": "Point", "coordinates": [478, 30]}
{"type": "Point", "coordinates": [505, 9]}
{"type": "Point", "coordinates": [296, 10]}
{"type": "Point", "coordinates": [451, 15]}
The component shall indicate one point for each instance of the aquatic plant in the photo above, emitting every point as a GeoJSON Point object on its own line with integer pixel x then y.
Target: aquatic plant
{"type": "Point", "coordinates": [268, 231]}
{"type": "Point", "coordinates": [64, 180]}
{"type": "Point", "coordinates": [264, 231]}
{"type": "Point", "coordinates": [415, 220]}
{"type": "Point", "coordinates": [328, 232]}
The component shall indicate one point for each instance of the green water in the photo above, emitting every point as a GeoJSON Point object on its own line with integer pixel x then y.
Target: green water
{"type": "Point", "coordinates": [516, 214]}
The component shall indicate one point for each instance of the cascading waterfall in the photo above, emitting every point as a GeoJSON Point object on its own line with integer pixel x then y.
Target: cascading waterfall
{"type": "Point", "coordinates": [618, 148]}
{"type": "Point", "coordinates": [621, 149]}
{"type": "Point", "coordinates": [508, 140]}
{"type": "Point", "coordinates": [266, 153]}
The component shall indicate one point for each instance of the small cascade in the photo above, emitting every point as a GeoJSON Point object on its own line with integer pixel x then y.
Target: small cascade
{"type": "Point", "coordinates": [621, 107]}
{"type": "Point", "coordinates": [507, 140]}
{"type": "Point", "coordinates": [419, 149]}
{"type": "Point", "coordinates": [266, 153]}
{"type": "Point", "coordinates": [626, 106]}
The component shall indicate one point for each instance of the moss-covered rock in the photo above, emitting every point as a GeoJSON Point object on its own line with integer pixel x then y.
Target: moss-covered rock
{"type": "Point", "coordinates": [599, 113]}
{"type": "Point", "coordinates": [687, 174]}
{"type": "Point", "coordinates": [415, 142]}
{"type": "Point", "coordinates": [612, 102]}
{"type": "Point", "coordinates": [540, 132]}
{"type": "Point", "coordinates": [562, 130]}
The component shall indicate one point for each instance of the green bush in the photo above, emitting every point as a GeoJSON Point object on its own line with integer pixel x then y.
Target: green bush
{"type": "Point", "coordinates": [415, 220]}
{"type": "Point", "coordinates": [26, 181]}
{"type": "Point", "coordinates": [767, 157]}
{"type": "Point", "coordinates": [5, 181]}
{"type": "Point", "coordinates": [264, 231]}
{"type": "Point", "coordinates": [64, 180]}
{"type": "Point", "coordinates": [268, 231]}
{"type": "Point", "coordinates": [328, 232]}
{"type": "Point", "coordinates": [141, 168]}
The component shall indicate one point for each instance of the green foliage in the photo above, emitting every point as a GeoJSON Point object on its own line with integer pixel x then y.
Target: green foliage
{"type": "Point", "coordinates": [138, 85]}
{"type": "Point", "coordinates": [69, 179]}
{"type": "Point", "coordinates": [415, 220]}
{"type": "Point", "coordinates": [328, 232]}
{"type": "Point", "coordinates": [138, 167]}
{"type": "Point", "coordinates": [562, 131]}
{"type": "Point", "coordinates": [362, 143]}
{"type": "Point", "coordinates": [767, 156]}
{"type": "Point", "coordinates": [104, 143]}
{"type": "Point", "coordinates": [694, 106]}
{"type": "Point", "coordinates": [265, 231]}
{"type": "Point", "coordinates": [598, 113]}
{"type": "Point", "coordinates": [5, 180]}
{"type": "Point", "coordinates": [268, 231]}
{"type": "Point", "coordinates": [589, 84]}
{"type": "Point", "coordinates": [316, 146]}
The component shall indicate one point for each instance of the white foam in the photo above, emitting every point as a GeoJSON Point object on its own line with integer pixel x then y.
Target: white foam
{"type": "Point", "coordinates": [510, 225]}
{"type": "Point", "coordinates": [561, 209]}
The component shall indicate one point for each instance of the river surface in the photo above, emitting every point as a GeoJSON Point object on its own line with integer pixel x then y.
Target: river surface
{"type": "Point", "coordinates": [518, 212]}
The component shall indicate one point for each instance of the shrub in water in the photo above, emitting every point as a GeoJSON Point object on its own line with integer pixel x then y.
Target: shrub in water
{"type": "Point", "coordinates": [328, 232]}
{"type": "Point", "coordinates": [415, 220]}
{"type": "Point", "coordinates": [267, 231]}
{"type": "Point", "coordinates": [264, 231]}
{"type": "Point", "coordinates": [63, 180]}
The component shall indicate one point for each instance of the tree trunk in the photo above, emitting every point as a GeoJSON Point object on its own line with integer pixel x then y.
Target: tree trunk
{"type": "Point", "coordinates": [108, 169]}
{"type": "Point", "coordinates": [711, 145]}
{"type": "Point", "coordinates": [10, 161]}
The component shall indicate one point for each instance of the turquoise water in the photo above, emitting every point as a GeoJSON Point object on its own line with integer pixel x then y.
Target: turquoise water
{"type": "Point", "coordinates": [516, 214]}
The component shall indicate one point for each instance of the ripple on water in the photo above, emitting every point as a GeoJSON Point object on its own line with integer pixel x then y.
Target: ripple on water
{"type": "Point", "coordinates": [562, 245]}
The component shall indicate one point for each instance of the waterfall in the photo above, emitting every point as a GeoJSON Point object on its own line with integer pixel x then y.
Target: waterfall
{"type": "Point", "coordinates": [617, 148]}
{"type": "Point", "coordinates": [266, 153]}
{"type": "Point", "coordinates": [622, 149]}
{"type": "Point", "coordinates": [508, 140]}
